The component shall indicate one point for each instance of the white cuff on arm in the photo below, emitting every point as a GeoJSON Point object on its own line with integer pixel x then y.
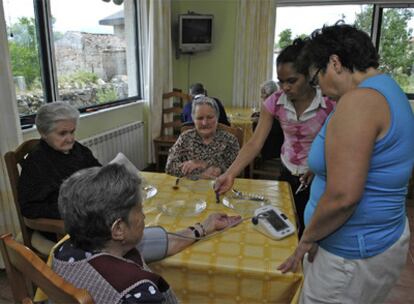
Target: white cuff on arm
{"type": "Point", "coordinates": [154, 244]}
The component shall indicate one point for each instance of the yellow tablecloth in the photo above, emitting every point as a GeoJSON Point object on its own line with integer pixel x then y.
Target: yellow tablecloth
{"type": "Point", "coordinates": [241, 117]}
{"type": "Point", "coordinates": [237, 266]}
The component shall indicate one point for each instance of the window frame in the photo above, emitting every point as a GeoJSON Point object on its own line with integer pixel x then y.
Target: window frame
{"type": "Point", "coordinates": [44, 32]}
{"type": "Point", "coordinates": [378, 8]}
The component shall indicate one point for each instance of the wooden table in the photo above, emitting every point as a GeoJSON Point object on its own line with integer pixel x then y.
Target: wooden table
{"type": "Point", "coordinates": [236, 266]}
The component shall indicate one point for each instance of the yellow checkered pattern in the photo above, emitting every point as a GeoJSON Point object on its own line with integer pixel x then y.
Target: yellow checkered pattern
{"type": "Point", "coordinates": [237, 266]}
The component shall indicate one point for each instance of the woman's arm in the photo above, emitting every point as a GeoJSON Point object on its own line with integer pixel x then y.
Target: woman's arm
{"type": "Point", "coordinates": [177, 155]}
{"type": "Point", "coordinates": [214, 222]}
{"type": "Point", "coordinates": [247, 153]}
{"type": "Point", "coordinates": [361, 118]}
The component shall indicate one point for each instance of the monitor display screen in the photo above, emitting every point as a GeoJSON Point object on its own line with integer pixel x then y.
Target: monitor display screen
{"type": "Point", "coordinates": [195, 32]}
{"type": "Point", "coordinates": [275, 220]}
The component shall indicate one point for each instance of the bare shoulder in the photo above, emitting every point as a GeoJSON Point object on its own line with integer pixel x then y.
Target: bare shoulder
{"type": "Point", "coordinates": [362, 99]}
{"type": "Point", "coordinates": [366, 106]}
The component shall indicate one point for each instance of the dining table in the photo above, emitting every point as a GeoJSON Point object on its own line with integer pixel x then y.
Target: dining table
{"type": "Point", "coordinates": [241, 117]}
{"type": "Point", "coordinates": [236, 265]}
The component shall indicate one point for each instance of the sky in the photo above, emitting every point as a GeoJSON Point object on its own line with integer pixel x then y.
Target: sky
{"type": "Point", "coordinates": [68, 14]}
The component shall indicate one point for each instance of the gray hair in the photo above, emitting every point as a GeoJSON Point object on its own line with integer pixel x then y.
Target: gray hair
{"type": "Point", "coordinates": [269, 86]}
{"type": "Point", "coordinates": [51, 113]}
{"type": "Point", "coordinates": [204, 100]}
{"type": "Point", "coordinates": [92, 199]}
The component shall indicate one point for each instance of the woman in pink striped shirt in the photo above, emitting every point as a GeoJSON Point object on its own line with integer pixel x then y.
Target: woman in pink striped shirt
{"type": "Point", "coordinates": [301, 110]}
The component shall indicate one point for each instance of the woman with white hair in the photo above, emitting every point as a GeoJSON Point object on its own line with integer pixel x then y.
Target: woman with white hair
{"type": "Point", "coordinates": [55, 158]}
{"type": "Point", "coordinates": [267, 88]}
{"type": "Point", "coordinates": [205, 151]}
{"type": "Point", "coordinates": [102, 211]}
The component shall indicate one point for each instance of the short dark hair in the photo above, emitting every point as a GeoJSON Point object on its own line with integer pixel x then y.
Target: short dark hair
{"type": "Point", "coordinates": [92, 199]}
{"type": "Point", "coordinates": [353, 47]}
{"type": "Point", "coordinates": [291, 53]}
{"type": "Point", "coordinates": [197, 88]}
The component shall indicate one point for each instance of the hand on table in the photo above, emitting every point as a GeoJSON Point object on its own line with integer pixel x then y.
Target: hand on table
{"type": "Point", "coordinates": [292, 262]}
{"type": "Point", "coordinates": [223, 183]}
{"type": "Point", "coordinates": [190, 165]}
{"type": "Point", "coordinates": [220, 221]}
{"type": "Point", "coordinates": [211, 172]}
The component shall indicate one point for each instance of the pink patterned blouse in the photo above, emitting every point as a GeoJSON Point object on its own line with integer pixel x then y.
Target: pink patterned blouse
{"type": "Point", "coordinates": [299, 132]}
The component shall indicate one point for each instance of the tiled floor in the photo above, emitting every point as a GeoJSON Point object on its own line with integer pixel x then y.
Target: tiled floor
{"type": "Point", "coordinates": [402, 292]}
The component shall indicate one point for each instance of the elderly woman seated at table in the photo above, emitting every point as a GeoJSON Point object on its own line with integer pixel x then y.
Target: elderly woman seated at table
{"type": "Point", "coordinates": [57, 156]}
{"type": "Point", "coordinates": [205, 151]}
{"type": "Point", "coordinates": [102, 211]}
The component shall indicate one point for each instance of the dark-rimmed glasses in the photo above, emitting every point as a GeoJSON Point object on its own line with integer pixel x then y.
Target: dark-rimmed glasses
{"type": "Point", "coordinates": [314, 82]}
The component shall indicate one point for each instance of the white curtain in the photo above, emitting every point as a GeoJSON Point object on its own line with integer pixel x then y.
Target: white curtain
{"type": "Point", "coordinates": [10, 133]}
{"type": "Point", "coordinates": [253, 62]}
{"type": "Point", "coordinates": [156, 61]}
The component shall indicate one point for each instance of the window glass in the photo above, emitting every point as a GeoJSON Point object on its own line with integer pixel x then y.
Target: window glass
{"type": "Point", "coordinates": [396, 47]}
{"type": "Point", "coordinates": [24, 55]}
{"type": "Point", "coordinates": [300, 21]}
{"type": "Point", "coordinates": [93, 61]}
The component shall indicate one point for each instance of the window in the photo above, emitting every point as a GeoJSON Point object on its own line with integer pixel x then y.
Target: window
{"type": "Point", "coordinates": [85, 53]}
{"type": "Point", "coordinates": [395, 42]}
{"type": "Point", "coordinates": [390, 26]}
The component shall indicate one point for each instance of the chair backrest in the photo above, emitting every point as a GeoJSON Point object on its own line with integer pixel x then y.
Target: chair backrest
{"type": "Point", "coordinates": [236, 131]}
{"type": "Point", "coordinates": [171, 112]}
{"type": "Point", "coordinates": [22, 264]}
{"type": "Point", "coordinates": [13, 160]}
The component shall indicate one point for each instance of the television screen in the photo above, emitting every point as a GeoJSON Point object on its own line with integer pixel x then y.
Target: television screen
{"type": "Point", "coordinates": [195, 32]}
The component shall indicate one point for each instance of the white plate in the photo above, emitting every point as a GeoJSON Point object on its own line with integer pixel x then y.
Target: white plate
{"type": "Point", "coordinates": [149, 191]}
{"type": "Point", "coordinates": [199, 185]}
{"type": "Point", "coordinates": [243, 206]}
{"type": "Point", "coordinates": [182, 207]}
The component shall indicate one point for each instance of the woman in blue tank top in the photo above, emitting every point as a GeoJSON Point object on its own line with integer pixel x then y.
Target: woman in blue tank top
{"type": "Point", "coordinates": [356, 236]}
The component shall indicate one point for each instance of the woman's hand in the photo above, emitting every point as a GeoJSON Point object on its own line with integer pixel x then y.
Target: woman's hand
{"type": "Point", "coordinates": [191, 165]}
{"type": "Point", "coordinates": [220, 221]}
{"type": "Point", "coordinates": [223, 183]}
{"type": "Point", "coordinates": [292, 262]}
{"type": "Point", "coordinates": [306, 178]}
{"type": "Point", "coordinates": [211, 172]}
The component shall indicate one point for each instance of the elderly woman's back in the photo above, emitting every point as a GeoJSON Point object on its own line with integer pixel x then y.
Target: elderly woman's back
{"type": "Point", "coordinates": [56, 157]}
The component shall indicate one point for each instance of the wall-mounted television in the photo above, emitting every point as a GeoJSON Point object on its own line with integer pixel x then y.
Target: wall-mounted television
{"type": "Point", "coordinates": [194, 32]}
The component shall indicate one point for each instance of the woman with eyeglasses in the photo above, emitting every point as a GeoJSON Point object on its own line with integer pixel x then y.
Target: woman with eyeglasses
{"type": "Point", "coordinates": [301, 110]}
{"type": "Point", "coordinates": [357, 235]}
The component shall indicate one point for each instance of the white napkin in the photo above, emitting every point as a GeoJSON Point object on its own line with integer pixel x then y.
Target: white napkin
{"type": "Point", "coordinates": [121, 159]}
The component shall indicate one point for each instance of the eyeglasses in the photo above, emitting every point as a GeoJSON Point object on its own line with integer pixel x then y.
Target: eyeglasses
{"type": "Point", "coordinates": [314, 82]}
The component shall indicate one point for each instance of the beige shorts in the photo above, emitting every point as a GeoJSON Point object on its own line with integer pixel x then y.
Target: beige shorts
{"type": "Point", "coordinates": [333, 279]}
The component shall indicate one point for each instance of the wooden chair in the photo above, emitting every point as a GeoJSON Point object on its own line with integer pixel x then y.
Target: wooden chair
{"type": "Point", "coordinates": [266, 165]}
{"type": "Point", "coordinates": [170, 126]}
{"type": "Point", "coordinates": [24, 266]}
{"type": "Point", "coordinates": [236, 131]}
{"type": "Point", "coordinates": [29, 227]}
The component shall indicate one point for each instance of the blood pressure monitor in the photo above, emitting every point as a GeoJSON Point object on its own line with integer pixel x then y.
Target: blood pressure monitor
{"type": "Point", "coordinates": [270, 221]}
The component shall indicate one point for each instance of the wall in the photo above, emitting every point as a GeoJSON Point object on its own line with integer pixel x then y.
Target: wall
{"type": "Point", "coordinates": [213, 68]}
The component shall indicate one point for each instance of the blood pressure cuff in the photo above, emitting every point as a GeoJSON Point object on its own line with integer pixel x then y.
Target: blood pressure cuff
{"type": "Point", "coordinates": [154, 244]}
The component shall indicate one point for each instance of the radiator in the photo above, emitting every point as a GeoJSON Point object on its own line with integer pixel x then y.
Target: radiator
{"type": "Point", "coordinates": [128, 139]}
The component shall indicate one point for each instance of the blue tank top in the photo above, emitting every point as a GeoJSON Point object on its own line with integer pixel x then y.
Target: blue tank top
{"type": "Point", "coordinates": [379, 218]}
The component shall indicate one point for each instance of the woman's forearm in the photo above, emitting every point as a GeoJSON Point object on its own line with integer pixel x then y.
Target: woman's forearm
{"type": "Point", "coordinates": [330, 214]}
{"type": "Point", "coordinates": [244, 158]}
{"type": "Point", "coordinates": [177, 243]}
